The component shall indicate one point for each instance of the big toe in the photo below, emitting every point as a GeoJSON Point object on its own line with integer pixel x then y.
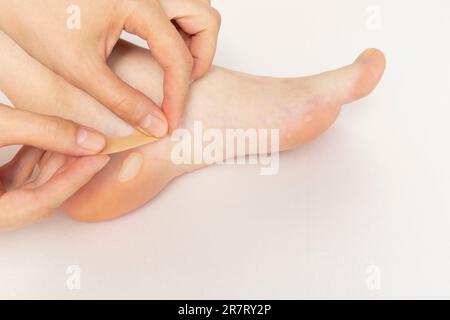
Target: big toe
{"type": "Point", "coordinates": [335, 88]}
{"type": "Point", "coordinates": [371, 64]}
{"type": "Point", "coordinates": [353, 81]}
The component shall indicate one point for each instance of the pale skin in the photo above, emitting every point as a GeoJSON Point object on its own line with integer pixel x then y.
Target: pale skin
{"type": "Point", "coordinates": [301, 108]}
{"type": "Point", "coordinates": [75, 39]}
{"type": "Point", "coordinates": [184, 50]}
{"type": "Point", "coordinates": [24, 200]}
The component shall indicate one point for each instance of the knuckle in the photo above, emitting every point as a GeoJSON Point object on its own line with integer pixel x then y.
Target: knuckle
{"type": "Point", "coordinates": [128, 110]}
{"type": "Point", "coordinates": [53, 128]}
{"type": "Point", "coordinates": [81, 72]}
{"type": "Point", "coordinates": [216, 16]}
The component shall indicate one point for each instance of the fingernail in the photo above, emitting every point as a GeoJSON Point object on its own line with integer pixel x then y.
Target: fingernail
{"type": "Point", "coordinates": [90, 140]}
{"type": "Point", "coordinates": [154, 126]}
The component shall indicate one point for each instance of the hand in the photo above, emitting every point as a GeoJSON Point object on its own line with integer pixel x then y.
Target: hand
{"type": "Point", "coordinates": [23, 202]}
{"type": "Point", "coordinates": [80, 55]}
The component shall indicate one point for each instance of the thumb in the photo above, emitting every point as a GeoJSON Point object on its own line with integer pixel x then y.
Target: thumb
{"type": "Point", "coordinates": [48, 133]}
{"type": "Point", "coordinates": [123, 100]}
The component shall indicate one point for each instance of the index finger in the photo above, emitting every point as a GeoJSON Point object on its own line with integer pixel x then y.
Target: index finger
{"type": "Point", "coordinates": [150, 22]}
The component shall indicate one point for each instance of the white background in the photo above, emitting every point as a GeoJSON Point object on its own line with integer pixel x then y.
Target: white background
{"type": "Point", "coordinates": [374, 190]}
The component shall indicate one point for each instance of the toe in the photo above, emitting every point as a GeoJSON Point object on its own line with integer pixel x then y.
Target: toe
{"type": "Point", "coordinates": [354, 81]}
{"type": "Point", "coordinates": [329, 91]}
{"type": "Point", "coordinates": [371, 64]}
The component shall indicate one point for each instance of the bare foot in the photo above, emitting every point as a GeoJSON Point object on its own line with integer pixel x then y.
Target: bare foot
{"type": "Point", "coordinates": [301, 108]}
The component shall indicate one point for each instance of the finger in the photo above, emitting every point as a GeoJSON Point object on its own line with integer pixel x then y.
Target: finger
{"type": "Point", "coordinates": [203, 48]}
{"type": "Point", "coordinates": [202, 23]}
{"type": "Point", "coordinates": [2, 188]}
{"type": "Point", "coordinates": [48, 133]}
{"type": "Point", "coordinates": [51, 164]}
{"type": "Point", "coordinates": [126, 102]}
{"type": "Point", "coordinates": [22, 207]}
{"type": "Point", "coordinates": [186, 37]}
{"type": "Point", "coordinates": [66, 182]}
{"type": "Point", "coordinates": [152, 24]}
{"type": "Point", "coordinates": [20, 168]}
{"type": "Point", "coordinates": [49, 167]}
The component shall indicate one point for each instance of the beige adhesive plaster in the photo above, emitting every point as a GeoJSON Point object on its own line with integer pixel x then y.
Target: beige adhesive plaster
{"type": "Point", "coordinates": [120, 144]}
